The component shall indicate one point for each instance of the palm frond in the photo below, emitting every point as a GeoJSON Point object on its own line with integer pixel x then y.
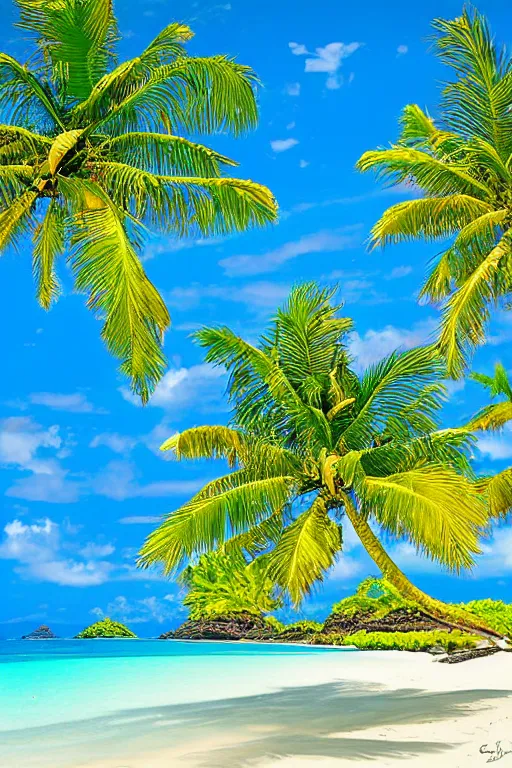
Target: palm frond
{"type": "Point", "coordinates": [492, 417]}
{"type": "Point", "coordinates": [498, 491]}
{"type": "Point", "coordinates": [108, 269]}
{"type": "Point", "coordinates": [17, 219]}
{"type": "Point", "coordinates": [467, 311]}
{"type": "Point", "coordinates": [387, 389]}
{"type": "Point", "coordinates": [429, 217]}
{"type": "Point", "coordinates": [306, 550]}
{"type": "Point", "coordinates": [222, 509]}
{"type": "Point", "coordinates": [48, 245]}
{"type": "Point", "coordinates": [166, 155]}
{"type": "Point", "coordinates": [78, 38]}
{"type": "Point", "coordinates": [199, 95]}
{"type": "Point", "coordinates": [24, 98]}
{"type": "Point", "coordinates": [435, 177]}
{"type": "Point", "coordinates": [435, 508]}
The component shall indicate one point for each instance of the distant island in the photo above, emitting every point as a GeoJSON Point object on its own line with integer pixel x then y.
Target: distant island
{"type": "Point", "coordinates": [105, 628]}
{"type": "Point", "coordinates": [41, 633]}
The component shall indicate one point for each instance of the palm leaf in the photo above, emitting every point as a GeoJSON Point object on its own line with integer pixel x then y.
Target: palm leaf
{"type": "Point", "coordinates": [222, 509]}
{"type": "Point", "coordinates": [48, 245]}
{"type": "Point", "coordinates": [437, 509]}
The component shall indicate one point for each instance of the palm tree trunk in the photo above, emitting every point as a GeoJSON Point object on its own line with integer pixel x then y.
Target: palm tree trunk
{"type": "Point", "coordinates": [455, 618]}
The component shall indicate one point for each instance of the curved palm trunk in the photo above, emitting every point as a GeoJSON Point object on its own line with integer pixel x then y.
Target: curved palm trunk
{"type": "Point", "coordinates": [446, 614]}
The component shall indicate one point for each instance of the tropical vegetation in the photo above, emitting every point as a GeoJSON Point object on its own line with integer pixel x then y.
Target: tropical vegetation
{"type": "Point", "coordinates": [223, 584]}
{"type": "Point", "coordinates": [94, 155]}
{"type": "Point", "coordinates": [402, 641]}
{"type": "Point", "coordinates": [105, 628]}
{"type": "Point", "coordinates": [460, 165]}
{"type": "Point", "coordinates": [312, 441]}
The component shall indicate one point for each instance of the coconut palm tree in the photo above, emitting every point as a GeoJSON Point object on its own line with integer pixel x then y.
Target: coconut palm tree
{"type": "Point", "coordinates": [223, 583]}
{"type": "Point", "coordinates": [495, 415]}
{"type": "Point", "coordinates": [311, 443]}
{"type": "Point", "coordinates": [94, 154]}
{"type": "Point", "coordinates": [460, 163]}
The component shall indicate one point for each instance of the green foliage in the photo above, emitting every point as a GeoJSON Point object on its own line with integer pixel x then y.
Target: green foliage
{"type": "Point", "coordinates": [95, 155]}
{"type": "Point", "coordinates": [461, 164]}
{"type": "Point", "coordinates": [375, 597]}
{"type": "Point", "coordinates": [495, 613]}
{"type": "Point", "coordinates": [400, 641]}
{"type": "Point", "coordinates": [311, 440]}
{"type": "Point", "coordinates": [105, 628]}
{"type": "Point", "coordinates": [305, 626]}
{"type": "Point", "coordinates": [224, 585]}
{"type": "Point", "coordinates": [274, 623]}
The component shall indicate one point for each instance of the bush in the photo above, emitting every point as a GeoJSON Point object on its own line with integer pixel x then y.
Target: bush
{"type": "Point", "coordinates": [495, 613]}
{"type": "Point", "coordinates": [105, 628]}
{"type": "Point", "coordinates": [304, 627]}
{"type": "Point", "coordinates": [376, 597]}
{"type": "Point", "coordinates": [400, 641]}
{"type": "Point", "coordinates": [274, 623]}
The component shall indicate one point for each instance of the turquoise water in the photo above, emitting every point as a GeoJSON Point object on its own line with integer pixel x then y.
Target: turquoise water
{"type": "Point", "coordinates": [52, 690]}
{"type": "Point", "coordinates": [167, 704]}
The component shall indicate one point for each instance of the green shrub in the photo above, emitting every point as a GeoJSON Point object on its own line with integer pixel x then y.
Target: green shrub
{"type": "Point", "coordinates": [400, 641]}
{"type": "Point", "coordinates": [275, 623]}
{"type": "Point", "coordinates": [304, 626]}
{"type": "Point", "coordinates": [105, 628]}
{"type": "Point", "coordinates": [373, 596]}
{"type": "Point", "coordinates": [495, 613]}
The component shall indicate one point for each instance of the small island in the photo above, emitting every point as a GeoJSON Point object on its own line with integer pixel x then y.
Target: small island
{"type": "Point", "coordinates": [41, 633]}
{"type": "Point", "coordinates": [105, 628]}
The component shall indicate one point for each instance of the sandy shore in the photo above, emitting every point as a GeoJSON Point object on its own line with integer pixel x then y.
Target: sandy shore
{"type": "Point", "coordinates": [381, 709]}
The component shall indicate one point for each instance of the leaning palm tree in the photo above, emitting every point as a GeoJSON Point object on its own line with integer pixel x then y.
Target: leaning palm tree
{"type": "Point", "coordinates": [94, 154]}
{"type": "Point", "coordinates": [460, 163]}
{"type": "Point", "coordinates": [311, 442]}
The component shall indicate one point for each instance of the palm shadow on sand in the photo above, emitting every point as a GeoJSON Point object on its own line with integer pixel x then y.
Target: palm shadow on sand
{"type": "Point", "coordinates": [305, 721]}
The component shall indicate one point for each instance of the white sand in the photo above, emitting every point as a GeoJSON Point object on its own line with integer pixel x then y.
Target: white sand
{"type": "Point", "coordinates": [452, 737]}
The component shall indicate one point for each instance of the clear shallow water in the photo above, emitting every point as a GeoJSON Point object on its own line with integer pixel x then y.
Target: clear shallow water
{"type": "Point", "coordinates": [157, 704]}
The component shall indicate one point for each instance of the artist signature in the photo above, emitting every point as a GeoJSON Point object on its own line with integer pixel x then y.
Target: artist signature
{"type": "Point", "coordinates": [496, 753]}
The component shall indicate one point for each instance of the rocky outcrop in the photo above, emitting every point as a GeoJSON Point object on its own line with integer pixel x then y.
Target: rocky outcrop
{"type": "Point", "coordinates": [242, 626]}
{"type": "Point", "coordinates": [41, 633]}
{"type": "Point", "coordinates": [399, 620]}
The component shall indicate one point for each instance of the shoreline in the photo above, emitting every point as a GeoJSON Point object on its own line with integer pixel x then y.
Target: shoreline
{"type": "Point", "coordinates": [379, 708]}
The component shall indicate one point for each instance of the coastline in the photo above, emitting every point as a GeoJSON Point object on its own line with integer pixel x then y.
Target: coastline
{"type": "Point", "coordinates": [379, 708]}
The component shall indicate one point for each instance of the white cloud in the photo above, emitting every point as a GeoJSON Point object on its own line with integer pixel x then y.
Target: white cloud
{"type": "Point", "coordinates": [37, 550]}
{"type": "Point", "coordinates": [141, 611]}
{"type": "Point", "coordinates": [399, 272]}
{"type": "Point", "coordinates": [281, 145]}
{"type": "Point", "coordinates": [200, 385]}
{"type": "Point", "coordinates": [73, 403]}
{"type": "Point", "coordinates": [140, 519]}
{"type": "Point", "coordinates": [402, 50]}
{"type": "Point", "coordinates": [93, 551]}
{"type": "Point", "coordinates": [319, 242]}
{"type": "Point", "coordinates": [293, 89]}
{"type": "Point", "coordinates": [303, 163]}
{"type": "Point", "coordinates": [21, 439]}
{"type": "Point", "coordinates": [326, 60]}
{"type": "Point", "coordinates": [258, 295]}
{"type": "Point", "coordinates": [290, 126]}
{"type": "Point", "coordinates": [497, 447]}
{"type": "Point", "coordinates": [113, 440]}
{"type": "Point", "coordinates": [54, 486]}
{"type": "Point", "coordinates": [374, 345]}
{"type": "Point", "coordinates": [118, 481]}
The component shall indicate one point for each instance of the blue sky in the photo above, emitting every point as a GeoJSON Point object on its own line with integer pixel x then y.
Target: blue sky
{"type": "Point", "coordinates": [81, 479]}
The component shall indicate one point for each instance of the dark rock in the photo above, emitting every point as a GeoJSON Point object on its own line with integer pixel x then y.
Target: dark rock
{"type": "Point", "coordinates": [399, 620]}
{"type": "Point", "coordinates": [472, 653]}
{"type": "Point", "coordinates": [41, 633]}
{"type": "Point", "coordinates": [242, 626]}
{"type": "Point", "coordinates": [167, 635]}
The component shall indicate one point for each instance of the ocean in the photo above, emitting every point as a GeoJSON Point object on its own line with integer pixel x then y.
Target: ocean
{"type": "Point", "coordinates": [122, 703]}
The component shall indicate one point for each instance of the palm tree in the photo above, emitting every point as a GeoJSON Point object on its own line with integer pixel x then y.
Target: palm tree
{"type": "Point", "coordinates": [223, 583]}
{"type": "Point", "coordinates": [93, 156]}
{"type": "Point", "coordinates": [461, 166]}
{"type": "Point", "coordinates": [310, 442]}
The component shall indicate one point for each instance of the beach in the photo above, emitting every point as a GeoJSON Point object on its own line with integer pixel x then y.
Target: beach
{"type": "Point", "coordinates": [222, 705]}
